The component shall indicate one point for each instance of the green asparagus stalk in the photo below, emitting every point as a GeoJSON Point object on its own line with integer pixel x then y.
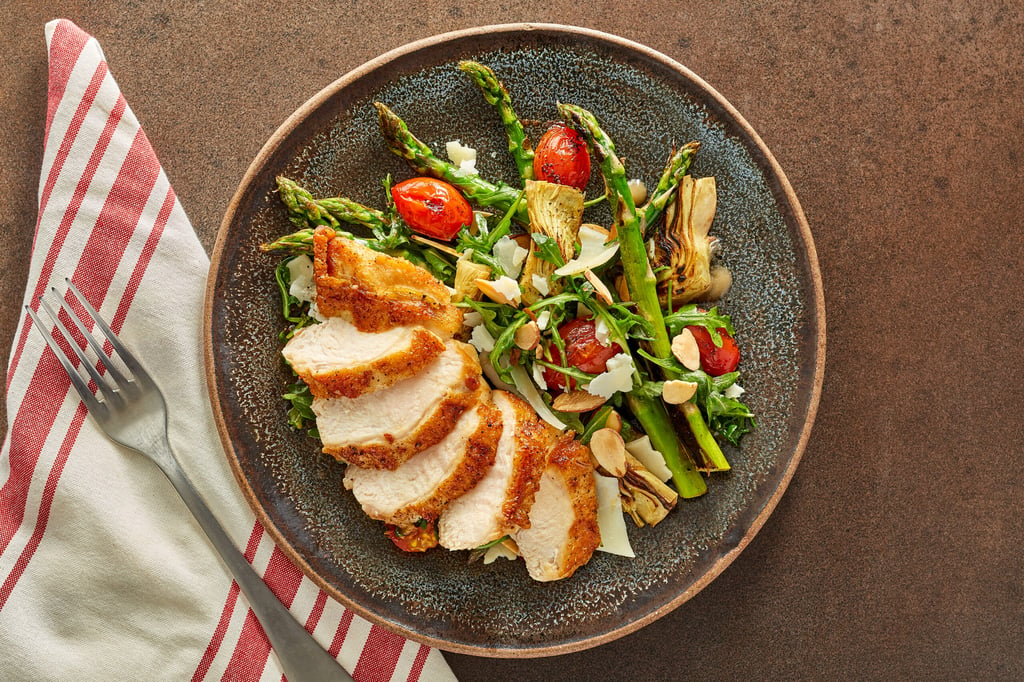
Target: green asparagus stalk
{"type": "Point", "coordinates": [496, 95]}
{"type": "Point", "coordinates": [423, 160]}
{"type": "Point", "coordinates": [677, 166]}
{"type": "Point", "coordinates": [305, 211]}
{"type": "Point", "coordinates": [641, 283]}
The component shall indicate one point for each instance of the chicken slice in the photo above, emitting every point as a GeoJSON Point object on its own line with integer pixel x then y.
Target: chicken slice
{"type": "Point", "coordinates": [377, 292]}
{"type": "Point", "coordinates": [380, 430]}
{"type": "Point", "coordinates": [422, 486]}
{"type": "Point", "coordinates": [563, 532]}
{"type": "Point", "coordinates": [335, 359]}
{"type": "Point", "coordinates": [501, 501]}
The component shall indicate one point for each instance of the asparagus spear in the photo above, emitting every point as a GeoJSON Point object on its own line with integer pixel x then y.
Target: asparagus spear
{"type": "Point", "coordinates": [305, 211]}
{"type": "Point", "coordinates": [403, 143]}
{"type": "Point", "coordinates": [641, 283]}
{"type": "Point", "coordinates": [496, 95]}
{"type": "Point", "coordinates": [677, 166]}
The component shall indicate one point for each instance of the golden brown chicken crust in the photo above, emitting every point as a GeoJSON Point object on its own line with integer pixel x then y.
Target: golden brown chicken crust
{"type": "Point", "coordinates": [470, 391]}
{"type": "Point", "coordinates": [480, 450]}
{"type": "Point", "coordinates": [572, 460]}
{"type": "Point", "coordinates": [534, 439]}
{"type": "Point", "coordinates": [353, 382]}
{"type": "Point", "coordinates": [377, 292]}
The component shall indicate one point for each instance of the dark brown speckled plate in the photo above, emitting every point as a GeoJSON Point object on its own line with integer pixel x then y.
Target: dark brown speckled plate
{"type": "Point", "coordinates": [647, 102]}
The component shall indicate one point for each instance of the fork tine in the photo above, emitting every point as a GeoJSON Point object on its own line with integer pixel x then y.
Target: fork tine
{"type": "Point", "coordinates": [91, 403]}
{"type": "Point", "coordinates": [112, 369]}
{"type": "Point", "coordinates": [126, 356]}
{"type": "Point", "coordinates": [93, 372]}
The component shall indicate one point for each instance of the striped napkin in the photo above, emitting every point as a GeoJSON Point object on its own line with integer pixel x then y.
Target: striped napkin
{"type": "Point", "coordinates": [104, 575]}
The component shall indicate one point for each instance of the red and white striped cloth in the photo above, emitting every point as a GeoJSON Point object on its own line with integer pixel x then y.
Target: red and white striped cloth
{"type": "Point", "coordinates": [103, 572]}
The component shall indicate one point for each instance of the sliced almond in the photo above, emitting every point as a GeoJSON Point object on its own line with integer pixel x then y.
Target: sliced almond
{"type": "Point", "coordinates": [610, 452]}
{"type": "Point", "coordinates": [684, 347]}
{"type": "Point", "coordinates": [614, 421]}
{"type": "Point", "coordinates": [599, 287]}
{"type": "Point", "coordinates": [528, 336]}
{"type": "Point", "coordinates": [620, 286]}
{"type": "Point", "coordinates": [677, 392]}
{"type": "Point", "coordinates": [444, 248]}
{"type": "Point", "coordinates": [577, 401]}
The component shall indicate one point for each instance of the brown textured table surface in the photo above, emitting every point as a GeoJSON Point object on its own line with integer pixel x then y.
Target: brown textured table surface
{"type": "Point", "coordinates": [896, 550]}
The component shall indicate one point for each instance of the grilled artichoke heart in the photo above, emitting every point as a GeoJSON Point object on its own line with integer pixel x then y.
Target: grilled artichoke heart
{"type": "Point", "coordinates": [557, 212]}
{"type": "Point", "coordinates": [682, 247]}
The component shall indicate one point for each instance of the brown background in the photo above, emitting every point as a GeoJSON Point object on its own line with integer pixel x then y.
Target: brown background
{"type": "Point", "coordinates": [895, 551]}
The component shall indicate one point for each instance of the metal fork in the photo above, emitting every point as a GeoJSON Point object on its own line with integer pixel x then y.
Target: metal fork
{"type": "Point", "coordinates": [131, 411]}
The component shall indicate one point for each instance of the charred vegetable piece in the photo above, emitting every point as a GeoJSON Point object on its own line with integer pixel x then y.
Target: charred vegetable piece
{"type": "Point", "coordinates": [432, 207]}
{"type": "Point", "coordinates": [683, 247]}
{"type": "Point", "coordinates": [561, 157]}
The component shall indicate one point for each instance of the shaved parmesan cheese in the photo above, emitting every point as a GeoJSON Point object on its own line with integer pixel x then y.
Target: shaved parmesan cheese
{"type": "Point", "coordinates": [543, 319]}
{"type": "Point", "coordinates": [510, 256]}
{"type": "Point", "coordinates": [593, 252]}
{"type": "Point", "coordinates": [601, 332]}
{"type": "Point", "coordinates": [610, 520]}
{"type": "Point", "coordinates": [538, 377]}
{"type": "Point", "coordinates": [472, 318]}
{"type": "Point", "coordinates": [481, 339]}
{"type": "Point", "coordinates": [462, 156]}
{"type": "Point", "coordinates": [541, 284]}
{"type": "Point", "coordinates": [734, 391]}
{"type": "Point", "coordinates": [652, 460]}
{"type": "Point", "coordinates": [300, 272]}
{"type": "Point", "coordinates": [509, 288]}
{"type": "Point", "coordinates": [530, 393]}
{"type": "Point", "coordinates": [618, 376]}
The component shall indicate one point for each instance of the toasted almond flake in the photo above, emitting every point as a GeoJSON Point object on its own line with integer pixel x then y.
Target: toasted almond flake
{"type": "Point", "coordinates": [528, 336]}
{"type": "Point", "coordinates": [577, 401]}
{"type": "Point", "coordinates": [599, 287]}
{"type": "Point", "coordinates": [610, 451]}
{"type": "Point", "coordinates": [621, 288]}
{"type": "Point", "coordinates": [500, 290]}
{"type": "Point", "coordinates": [684, 347]}
{"type": "Point", "coordinates": [677, 392]}
{"type": "Point", "coordinates": [614, 421]}
{"type": "Point", "coordinates": [437, 245]}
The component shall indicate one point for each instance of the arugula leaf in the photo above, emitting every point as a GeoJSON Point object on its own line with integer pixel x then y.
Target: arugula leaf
{"type": "Point", "coordinates": [692, 315]}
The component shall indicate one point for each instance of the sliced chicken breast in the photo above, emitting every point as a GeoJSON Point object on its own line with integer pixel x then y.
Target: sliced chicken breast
{"type": "Point", "coordinates": [377, 292]}
{"type": "Point", "coordinates": [563, 532]}
{"type": "Point", "coordinates": [335, 359]}
{"type": "Point", "coordinates": [424, 485]}
{"type": "Point", "coordinates": [380, 430]}
{"type": "Point", "coordinates": [501, 501]}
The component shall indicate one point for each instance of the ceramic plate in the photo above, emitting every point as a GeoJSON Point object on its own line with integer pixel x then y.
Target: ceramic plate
{"type": "Point", "coordinates": [647, 103]}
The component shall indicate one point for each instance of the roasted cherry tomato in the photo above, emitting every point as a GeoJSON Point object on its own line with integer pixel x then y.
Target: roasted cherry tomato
{"type": "Point", "coordinates": [583, 351]}
{"type": "Point", "coordinates": [716, 360]}
{"type": "Point", "coordinates": [562, 157]}
{"type": "Point", "coordinates": [432, 207]}
{"type": "Point", "coordinates": [418, 537]}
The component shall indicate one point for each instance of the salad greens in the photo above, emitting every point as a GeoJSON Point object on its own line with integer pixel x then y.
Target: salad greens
{"type": "Point", "coordinates": [619, 294]}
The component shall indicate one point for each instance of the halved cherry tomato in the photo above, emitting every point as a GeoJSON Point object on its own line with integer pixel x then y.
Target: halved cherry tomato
{"type": "Point", "coordinates": [583, 351]}
{"type": "Point", "coordinates": [561, 157]}
{"type": "Point", "coordinates": [432, 207]}
{"type": "Point", "coordinates": [716, 360]}
{"type": "Point", "coordinates": [417, 537]}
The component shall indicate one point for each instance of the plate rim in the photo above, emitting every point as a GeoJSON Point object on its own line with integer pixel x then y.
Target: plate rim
{"type": "Point", "coordinates": [816, 298]}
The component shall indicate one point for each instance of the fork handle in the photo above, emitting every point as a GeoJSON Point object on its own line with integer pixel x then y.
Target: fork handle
{"type": "Point", "coordinates": [301, 657]}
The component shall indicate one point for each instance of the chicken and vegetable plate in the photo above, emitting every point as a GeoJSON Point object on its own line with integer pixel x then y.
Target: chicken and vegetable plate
{"type": "Point", "coordinates": [500, 372]}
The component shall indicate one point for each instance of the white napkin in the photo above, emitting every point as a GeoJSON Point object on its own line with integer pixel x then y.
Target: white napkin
{"type": "Point", "coordinates": [104, 575]}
